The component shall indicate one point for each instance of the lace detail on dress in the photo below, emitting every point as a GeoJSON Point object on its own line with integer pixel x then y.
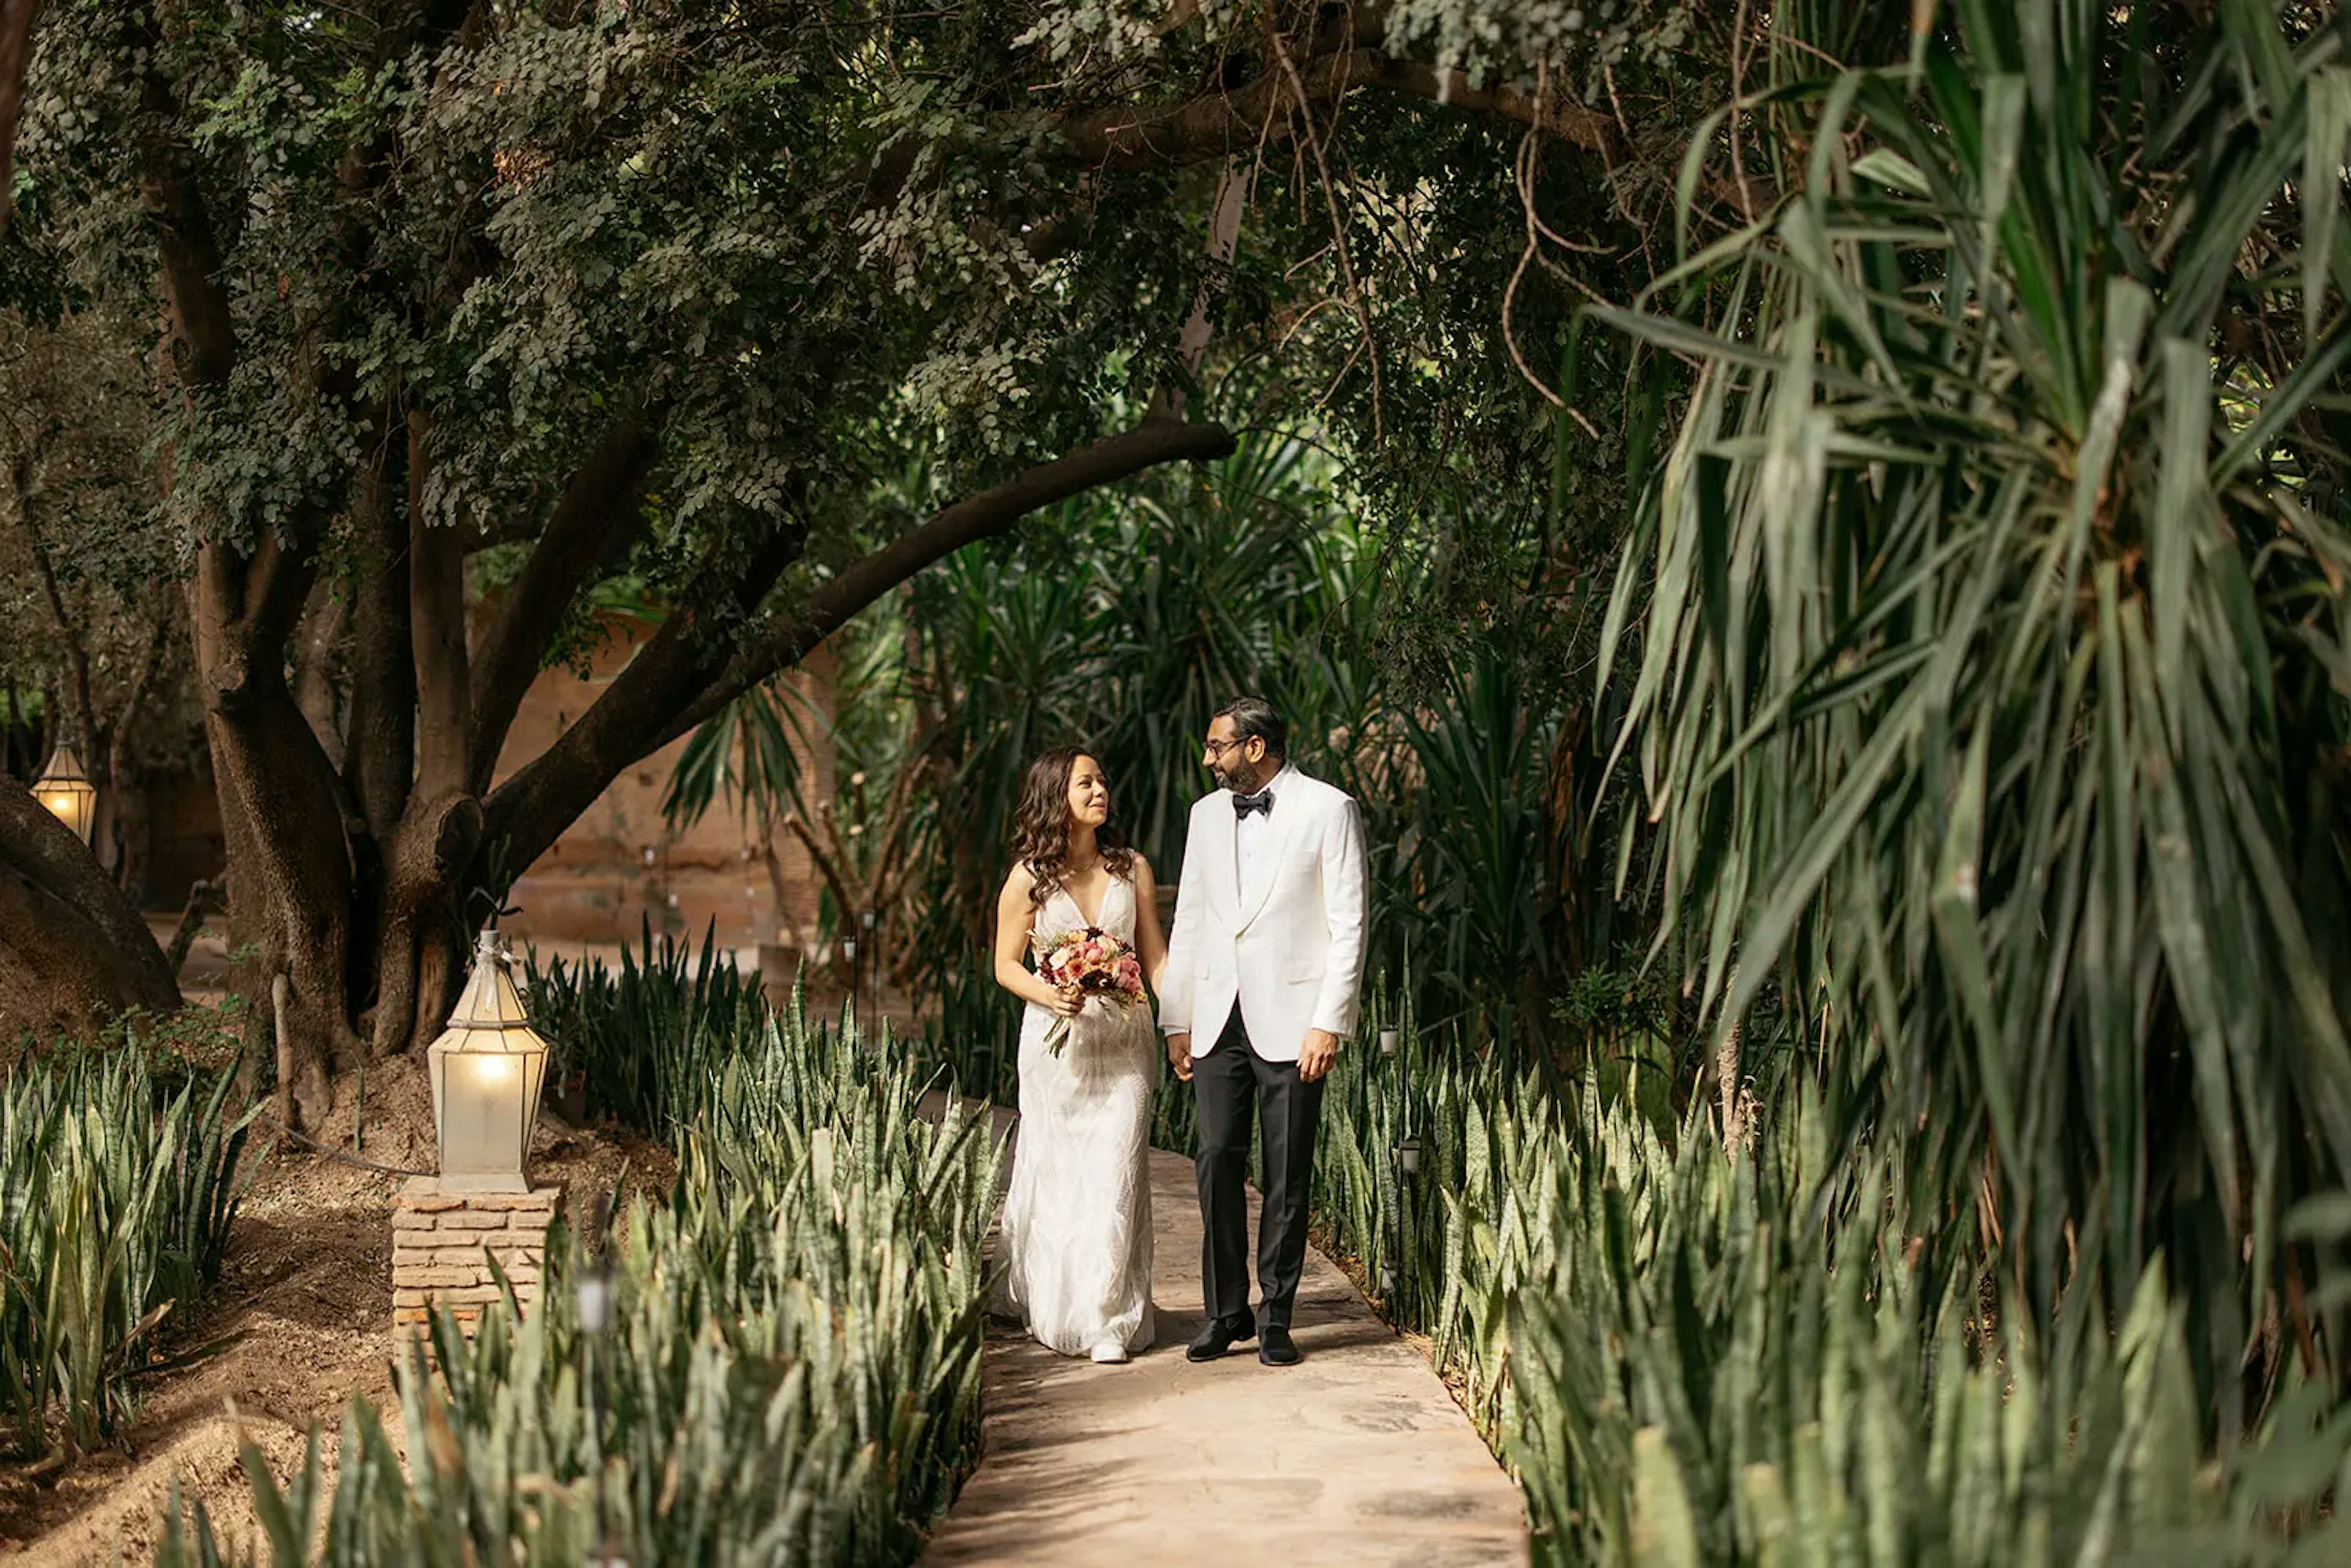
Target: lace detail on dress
{"type": "Point", "coordinates": [1076, 1241]}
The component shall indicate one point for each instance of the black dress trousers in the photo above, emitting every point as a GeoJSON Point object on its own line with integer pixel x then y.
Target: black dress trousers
{"type": "Point", "coordinates": [1224, 1083]}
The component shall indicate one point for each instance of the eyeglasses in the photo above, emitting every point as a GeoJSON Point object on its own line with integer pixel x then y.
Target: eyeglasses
{"type": "Point", "coordinates": [1216, 748]}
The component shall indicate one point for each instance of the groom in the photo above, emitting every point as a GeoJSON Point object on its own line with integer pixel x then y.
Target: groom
{"type": "Point", "coordinates": [1262, 970]}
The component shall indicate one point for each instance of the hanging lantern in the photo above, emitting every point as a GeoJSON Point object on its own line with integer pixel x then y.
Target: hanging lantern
{"type": "Point", "coordinates": [488, 1070]}
{"type": "Point", "coordinates": [67, 792]}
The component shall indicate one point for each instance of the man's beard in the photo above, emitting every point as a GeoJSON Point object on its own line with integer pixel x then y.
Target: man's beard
{"type": "Point", "coordinates": [1239, 781]}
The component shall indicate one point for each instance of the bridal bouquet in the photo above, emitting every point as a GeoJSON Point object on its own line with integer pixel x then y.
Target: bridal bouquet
{"type": "Point", "coordinates": [1099, 964]}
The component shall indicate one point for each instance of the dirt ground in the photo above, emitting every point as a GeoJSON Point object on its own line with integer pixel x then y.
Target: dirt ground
{"type": "Point", "coordinates": [303, 1318]}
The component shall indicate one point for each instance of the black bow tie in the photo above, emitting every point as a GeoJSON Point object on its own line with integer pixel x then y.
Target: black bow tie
{"type": "Point", "coordinates": [1244, 804]}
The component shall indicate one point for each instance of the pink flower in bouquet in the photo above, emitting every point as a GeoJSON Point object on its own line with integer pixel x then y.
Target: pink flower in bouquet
{"type": "Point", "coordinates": [1099, 964]}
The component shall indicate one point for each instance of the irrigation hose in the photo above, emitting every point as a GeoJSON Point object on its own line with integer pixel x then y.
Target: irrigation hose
{"type": "Point", "coordinates": [336, 1154]}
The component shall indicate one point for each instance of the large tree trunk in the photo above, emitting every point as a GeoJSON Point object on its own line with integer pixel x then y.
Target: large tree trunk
{"type": "Point", "coordinates": [418, 959]}
{"type": "Point", "coordinates": [73, 952]}
{"type": "Point", "coordinates": [290, 894]}
{"type": "Point", "coordinates": [290, 888]}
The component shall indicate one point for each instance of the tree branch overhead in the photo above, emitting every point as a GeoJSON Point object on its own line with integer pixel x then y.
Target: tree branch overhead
{"type": "Point", "coordinates": [1227, 122]}
{"type": "Point", "coordinates": [991, 512]}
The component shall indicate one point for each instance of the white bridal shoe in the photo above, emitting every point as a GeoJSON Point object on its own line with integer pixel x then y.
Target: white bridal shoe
{"type": "Point", "coordinates": [1108, 1352]}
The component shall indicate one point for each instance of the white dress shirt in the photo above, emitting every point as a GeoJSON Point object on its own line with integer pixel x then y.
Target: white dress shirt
{"type": "Point", "coordinates": [1252, 838]}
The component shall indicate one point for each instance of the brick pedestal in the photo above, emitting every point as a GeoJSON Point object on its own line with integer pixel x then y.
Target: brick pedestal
{"type": "Point", "coordinates": [438, 1242]}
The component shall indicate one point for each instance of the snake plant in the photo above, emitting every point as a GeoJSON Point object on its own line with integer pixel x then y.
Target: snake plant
{"type": "Point", "coordinates": [116, 1194]}
{"type": "Point", "coordinates": [789, 1371]}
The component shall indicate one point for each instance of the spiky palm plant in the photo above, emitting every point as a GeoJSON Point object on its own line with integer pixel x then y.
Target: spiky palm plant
{"type": "Point", "coordinates": [1472, 848]}
{"type": "Point", "coordinates": [1990, 696]}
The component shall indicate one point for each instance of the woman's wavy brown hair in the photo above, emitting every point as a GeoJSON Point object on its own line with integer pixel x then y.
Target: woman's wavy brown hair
{"type": "Point", "coordinates": [1041, 828]}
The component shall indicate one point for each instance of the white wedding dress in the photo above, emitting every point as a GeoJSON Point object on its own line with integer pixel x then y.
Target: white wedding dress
{"type": "Point", "coordinates": [1076, 1240]}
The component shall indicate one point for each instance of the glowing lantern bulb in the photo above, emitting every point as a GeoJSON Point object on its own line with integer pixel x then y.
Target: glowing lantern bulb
{"type": "Point", "coordinates": [66, 790]}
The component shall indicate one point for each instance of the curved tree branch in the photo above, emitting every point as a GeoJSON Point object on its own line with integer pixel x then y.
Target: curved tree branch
{"type": "Point", "coordinates": [531, 810]}
{"type": "Point", "coordinates": [77, 651]}
{"type": "Point", "coordinates": [1570, 121]}
{"type": "Point", "coordinates": [671, 684]}
{"type": "Point", "coordinates": [1227, 122]}
{"type": "Point", "coordinates": [125, 723]}
{"type": "Point", "coordinates": [991, 512]}
{"type": "Point", "coordinates": [196, 304]}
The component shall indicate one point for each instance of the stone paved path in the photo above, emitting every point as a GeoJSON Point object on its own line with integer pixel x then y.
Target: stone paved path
{"type": "Point", "coordinates": [1355, 1456]}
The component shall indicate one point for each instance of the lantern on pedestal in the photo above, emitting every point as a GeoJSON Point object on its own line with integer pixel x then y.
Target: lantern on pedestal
{"type": "Point", "coordinates": [67, 792]}
{"type": "Point", "coordinates": [488, 1070]}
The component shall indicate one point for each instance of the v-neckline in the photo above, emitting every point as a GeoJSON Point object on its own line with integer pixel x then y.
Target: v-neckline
{"type": "Point", "coordinates": [1092, 922]}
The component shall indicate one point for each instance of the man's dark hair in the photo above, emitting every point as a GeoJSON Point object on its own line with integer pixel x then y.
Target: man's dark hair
{"type": "Point", "coordinates": [1255, 718]}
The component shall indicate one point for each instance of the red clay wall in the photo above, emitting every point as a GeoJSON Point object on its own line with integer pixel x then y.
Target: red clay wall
{"type": "Point", "coordinates": [617, 867]}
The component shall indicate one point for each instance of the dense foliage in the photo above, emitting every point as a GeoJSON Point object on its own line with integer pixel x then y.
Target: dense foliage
{"type": "Point", "coordinates": [1121, 622]}
{"type": "Point", "coordinates": [474, 310]}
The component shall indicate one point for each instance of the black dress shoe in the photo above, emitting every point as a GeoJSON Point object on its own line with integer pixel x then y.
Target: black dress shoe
{"type": "Point", "coordinates": [1219, 1336]}
{"type": "Point", "coordinates": [1275, 1347]}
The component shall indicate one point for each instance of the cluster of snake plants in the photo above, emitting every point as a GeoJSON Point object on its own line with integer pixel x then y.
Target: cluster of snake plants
{"type": "Point", "coordinates": [1750, 1357]}
{"type": "Point", "coordinates": [116, 1194]}
{"type": "Point", "coordinates": [788, 1370]}
{"type": "Point", "coordinates": [1692, 1356]}
{"type": "Point", "coordinates": [643, 1041]}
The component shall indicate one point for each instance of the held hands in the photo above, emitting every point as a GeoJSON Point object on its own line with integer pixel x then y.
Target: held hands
{"type": "Point", "coordinates": [1179, 1055]}
{"type": "Point", "coordinates": [1315, 1057]}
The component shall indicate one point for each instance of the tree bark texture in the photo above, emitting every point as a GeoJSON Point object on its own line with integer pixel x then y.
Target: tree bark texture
{"type": "Point", "coordinates": [291, 885]}
{"type": "Point", "coordinates": [17, 20]}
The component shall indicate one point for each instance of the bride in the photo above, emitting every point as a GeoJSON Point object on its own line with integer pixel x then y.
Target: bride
{"type": "Point", "coordinates": [1077, 1220]}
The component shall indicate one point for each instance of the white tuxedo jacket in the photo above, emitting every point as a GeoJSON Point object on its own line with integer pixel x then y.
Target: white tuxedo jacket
{"type": "Point", "coordinates": [1293, 952]}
